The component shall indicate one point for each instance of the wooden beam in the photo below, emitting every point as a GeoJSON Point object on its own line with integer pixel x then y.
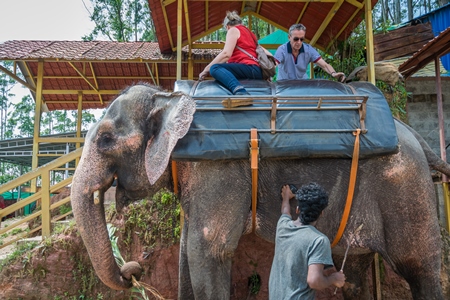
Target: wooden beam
{"type": "Point", "coordinates": [82, 75]}
{"type": "Point", "coordinates": [302, 13]}
{"type": "Point", "coordinates": [369, 42]}
{"type": "Point", "coordinates": [37, 122]}
{"type": "Point", "coordinates": [16, 78]}
{"type": "Point", "coordinates": [179, 36]}
{"type": "Point", "coordinates": [95, 81]}
{"type": "Point", "coordinates": [327, 21]}
{"type": "Point", "coordinates": [166, 22]}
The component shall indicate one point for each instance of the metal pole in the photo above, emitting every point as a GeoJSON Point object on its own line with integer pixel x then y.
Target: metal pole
{"type": "Point", "coordinates": [440, 108]}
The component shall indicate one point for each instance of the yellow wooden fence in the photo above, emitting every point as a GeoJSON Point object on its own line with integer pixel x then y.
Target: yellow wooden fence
{"type": "Point", "coordinates": [42, 175]}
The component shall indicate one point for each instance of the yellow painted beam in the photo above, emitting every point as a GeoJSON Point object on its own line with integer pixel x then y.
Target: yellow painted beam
{"type": "Point", "coordinates": [369, 42]}
{"type": "Point", "coordinates": [16, 78]}
{"type": "Point", "coordinates": [80, 120]}
{"type": "Point", "coordinates": [332, 41]}
{"type": "Point", "coordinates": [302, 13]}
{"type": "Point", "coordinates": [95, 81]}
{"type": "Point", "coordinates": [75, 92]}
{"type": "Point", "coordinates": [355, 3]}
{"type": "Point", "coordinates": [99, 77]}
{"type": "Point", "coordinates": [61, 140]}
{"type": "Point", "coordinates": [179, 36]}
{"type": "Point", "coordinates": [82, 75]}
{"type": "Point", "coordinates": [166, 22]}
{"type": "Point", "coordinates": [150, 72]}
{"type": "Point", "coordinates": [328, 1]}
{"type": "Point", "coordinates": [37, 122]}
{"type": "Point", "coordinates": [188, 25]}
{"type": "Point", "coordinates": [156, 73]}
{"type": "Point", "coordinates": [258, 7]}
{"type": "Point", "coordinates": [326, 22]}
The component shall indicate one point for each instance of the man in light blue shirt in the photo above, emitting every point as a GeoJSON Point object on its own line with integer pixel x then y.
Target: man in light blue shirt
{"type": "Point", "coordinates": [294, 57]}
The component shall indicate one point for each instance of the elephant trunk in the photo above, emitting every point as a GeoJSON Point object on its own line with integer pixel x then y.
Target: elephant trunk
{"type": "Point", "coordinates": [90, 218]}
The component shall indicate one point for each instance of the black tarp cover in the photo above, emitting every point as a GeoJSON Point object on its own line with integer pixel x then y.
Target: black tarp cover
{"type": "Point", "coordinates": [225, 134]}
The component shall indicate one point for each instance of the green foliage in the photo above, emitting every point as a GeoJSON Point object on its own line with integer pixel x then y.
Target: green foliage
{"type": "Point", "coordinates": [6, 85]}
{"type": "Point", "coordinates": [345, 56]}
{"type": "Point", "coordinates": [396, 97]}
{"type": "Point", "coordinates": [121, 20]}
{"type": "Point", "coordinates": [153, 221]}
{"type": "Point", "coordinates": [18, 252]}
{"type": "Point", "coordinates": [85, 274]}
{"type": "Point", "coordinates": [254, 283]}
{"type": "Point", "coordinates": [119, 259]}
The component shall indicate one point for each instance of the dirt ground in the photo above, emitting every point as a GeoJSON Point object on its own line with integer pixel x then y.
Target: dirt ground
{"type": "Point", "coordinates": [59, 273]}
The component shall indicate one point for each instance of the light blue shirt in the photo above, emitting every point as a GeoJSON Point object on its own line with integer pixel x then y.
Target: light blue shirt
{"type": "Point", "coordinates": [295, 249]}
{"type": "Point", "coordinates": [291, 68]}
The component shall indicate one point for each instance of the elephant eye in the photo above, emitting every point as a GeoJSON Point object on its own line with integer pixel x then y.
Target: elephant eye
{"type": "Point", "coordinates": [105, 141]}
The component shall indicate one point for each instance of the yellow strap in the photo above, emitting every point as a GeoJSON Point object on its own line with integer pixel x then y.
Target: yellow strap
{"type": "Point", "coordinates": [254, 157]}
{"type": "Point", "coordinates": [351, 190]}
{"type": "Point", "coordinates": [175, 177]}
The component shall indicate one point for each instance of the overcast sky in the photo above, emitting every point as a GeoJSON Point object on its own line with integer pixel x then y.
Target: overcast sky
{"type": "Point", "coordinates": [55, 20]}
{"type": "Point", "coordinates": [44, 20]}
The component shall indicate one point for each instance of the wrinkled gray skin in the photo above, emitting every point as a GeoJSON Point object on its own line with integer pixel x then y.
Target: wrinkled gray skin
{"type": "Point", "coordinates": [394, 199]}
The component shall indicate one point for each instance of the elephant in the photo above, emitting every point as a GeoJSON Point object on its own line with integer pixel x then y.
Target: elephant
{"type": "Point", "coordinates": [394, 199]}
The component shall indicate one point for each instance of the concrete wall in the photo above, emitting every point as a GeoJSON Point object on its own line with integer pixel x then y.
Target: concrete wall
{"type": "Point", "coordinates": [422, 110]}
{"type": "Point", "coordinates": [422, 115]}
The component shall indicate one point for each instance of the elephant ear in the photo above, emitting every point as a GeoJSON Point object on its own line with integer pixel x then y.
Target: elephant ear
{"type": "Point", "coordinates": [169, 121]}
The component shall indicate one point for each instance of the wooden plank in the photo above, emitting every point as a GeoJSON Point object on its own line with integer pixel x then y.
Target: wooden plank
{"type": "Point", "coordinates": [408, 30]}
{"type": "Point", "coordinates": [402, 42]}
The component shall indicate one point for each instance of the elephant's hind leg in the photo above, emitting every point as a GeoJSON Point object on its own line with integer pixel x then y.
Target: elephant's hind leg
{"type": "Point", "coordinates": [357, 283]}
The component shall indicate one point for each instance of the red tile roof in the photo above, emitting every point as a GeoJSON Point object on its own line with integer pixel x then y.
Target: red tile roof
{"type": "Point", "coordinates": [99, 69]}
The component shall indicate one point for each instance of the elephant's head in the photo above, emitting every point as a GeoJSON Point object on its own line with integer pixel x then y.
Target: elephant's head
{"type": "Point", "coordinates": [133, 143]}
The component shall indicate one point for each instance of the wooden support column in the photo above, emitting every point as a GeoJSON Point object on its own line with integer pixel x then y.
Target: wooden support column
{"type": "Point", "coordinates": [371, 78]}
{"type": "Point", "coordinates": [442, 143]}
{"type": "Point", "coordinates": [369, 42]}
{"type": "Point", "coordinates": [37, 121]}
{"type": "Point", "coordinates": [79, 122]}
{"type": "Point", "coordinates": [45, 204]}
{"type": "Point", "coordinates": [179, 36]}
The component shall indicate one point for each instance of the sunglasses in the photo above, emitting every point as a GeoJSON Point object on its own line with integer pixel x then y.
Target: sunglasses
{"type": "Point", "coordinates": [296, 39]}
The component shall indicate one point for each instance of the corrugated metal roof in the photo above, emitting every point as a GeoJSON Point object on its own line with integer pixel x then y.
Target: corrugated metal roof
{"type": "Point", "coordinates": [440, 21]}
{"type": "Point", "coordinates": [436, 48]}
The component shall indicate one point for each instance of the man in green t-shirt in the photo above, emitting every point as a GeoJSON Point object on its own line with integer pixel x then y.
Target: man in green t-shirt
{"type": "Point", "coordinates": [302, 252]}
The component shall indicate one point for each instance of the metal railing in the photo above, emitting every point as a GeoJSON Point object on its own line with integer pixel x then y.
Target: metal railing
{"type": "Point", "coordinates": [42, 175]}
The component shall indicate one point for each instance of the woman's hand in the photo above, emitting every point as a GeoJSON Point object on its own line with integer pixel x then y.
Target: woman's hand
{"type": "Point", "coordinates": [202, 75]}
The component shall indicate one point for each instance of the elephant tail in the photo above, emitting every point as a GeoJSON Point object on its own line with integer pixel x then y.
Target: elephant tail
{"type": "Point", "coordinates": [434, 161]}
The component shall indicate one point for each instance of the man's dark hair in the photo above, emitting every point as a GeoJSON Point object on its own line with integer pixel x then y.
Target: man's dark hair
{"type": "Point", "coordinates": [312, 199]}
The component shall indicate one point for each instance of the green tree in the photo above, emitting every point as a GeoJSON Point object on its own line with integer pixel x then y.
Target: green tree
{"type": "Point", "coordinates": [6, 84]}
{"type": "Point", "coordinates": [21, 119]}
{"type": "Point", "coordinates": [121, 20]}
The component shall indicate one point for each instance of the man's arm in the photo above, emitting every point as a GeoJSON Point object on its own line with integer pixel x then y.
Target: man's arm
{"type": "Point", "coordinates": [286, 195]}
{"type": "Point", "coordinates": [330, 70]}
{"type": "Point", "coordinates": [318, 281]}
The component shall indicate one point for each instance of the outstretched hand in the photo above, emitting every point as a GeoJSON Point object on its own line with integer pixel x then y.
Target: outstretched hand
{"type": "Point", "coordinates": [339, 76]}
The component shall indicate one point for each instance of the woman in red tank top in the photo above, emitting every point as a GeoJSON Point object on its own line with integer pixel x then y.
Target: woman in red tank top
{"type": "Point", "coordinates": [231, 63]}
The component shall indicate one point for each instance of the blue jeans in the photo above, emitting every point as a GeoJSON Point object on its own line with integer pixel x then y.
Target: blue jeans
{"type": "Point", "coordinates": [228, 75]}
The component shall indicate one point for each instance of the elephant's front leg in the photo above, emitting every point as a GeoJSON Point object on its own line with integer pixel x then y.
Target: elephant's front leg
{"type": "Point", "coordinates": [213, 236]}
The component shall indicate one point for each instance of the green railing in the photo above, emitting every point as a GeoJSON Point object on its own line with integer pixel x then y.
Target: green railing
{"type": "Point", "coordinates": [42, 175]}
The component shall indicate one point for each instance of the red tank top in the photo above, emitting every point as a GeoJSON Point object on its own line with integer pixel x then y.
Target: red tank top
{"type": "Point", "coordinates": [247, 42]}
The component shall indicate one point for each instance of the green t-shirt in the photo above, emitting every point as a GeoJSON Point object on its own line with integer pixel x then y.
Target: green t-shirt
{"type": "Point", "coordinates": [295, 249]}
